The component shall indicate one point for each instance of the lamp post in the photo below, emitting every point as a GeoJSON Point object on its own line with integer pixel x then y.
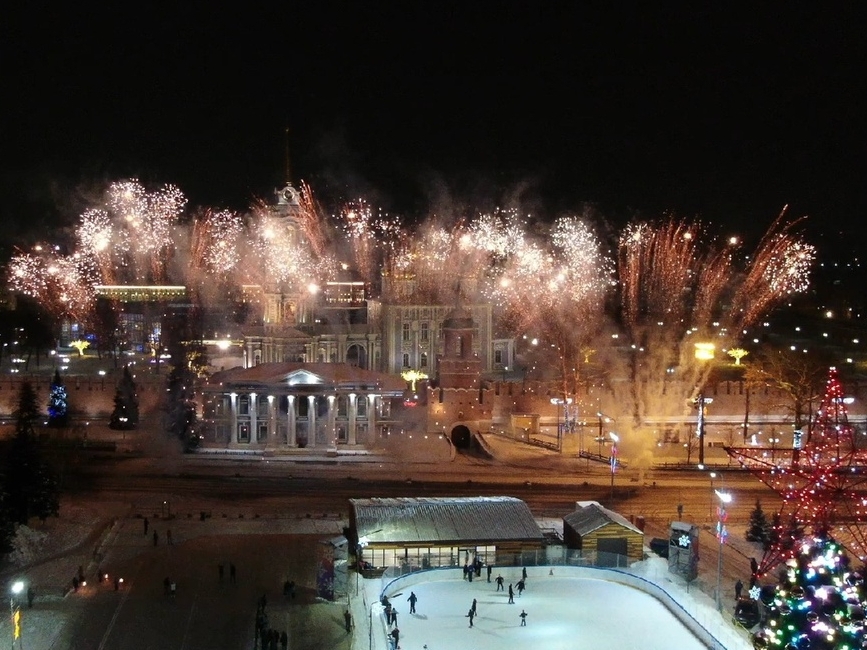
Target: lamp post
{"type": "Point", "coordinates": [558, 402]}
{"type": "Point", "coordinates": [614, 440]}
{"type": "Point", "coordinates": [701, 401]}
{"type": "Point", "coordinates": [602, 418]}
{"type": "Point", "coordinates": [721, 533]}
{"type": "Point", "coordinates": [362, 542]}
{"type": "Point", "coordinates": [774, 442]}
{"type": "Point", "coordinates": [712, 477]}
{"type": "Point", "coordinates": [14, 611]}
{"type": "Point", "coordinates": [704, 353]}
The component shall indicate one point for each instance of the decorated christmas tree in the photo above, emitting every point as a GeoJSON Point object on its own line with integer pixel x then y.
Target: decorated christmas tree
{"type": "Point", "coordinates": [58, 405]}
{"type": "Point", "coordinates": [125, 413]}
{"type": "Point", "coordinates": [819, 602]}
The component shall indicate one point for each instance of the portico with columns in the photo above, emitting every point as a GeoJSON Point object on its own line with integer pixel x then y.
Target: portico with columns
{"type": "Point", "coordinates": [293, 405]}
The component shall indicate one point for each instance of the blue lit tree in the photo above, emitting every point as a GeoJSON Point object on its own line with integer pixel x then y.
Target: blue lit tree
{"type": "Point", "coordinates": [58, 404]}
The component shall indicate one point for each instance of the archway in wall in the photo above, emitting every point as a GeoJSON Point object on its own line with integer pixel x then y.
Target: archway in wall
{"type": "Point", "coordinates": [356, 355]}
{"type": "Point", "coordinates": [461, 437]}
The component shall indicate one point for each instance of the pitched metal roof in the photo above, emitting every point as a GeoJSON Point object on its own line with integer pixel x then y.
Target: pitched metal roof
{"type": "Point", "coordinates": [592, 516]}
{"type": "Point", "coordinates": [331, 374]}
{"type": "Point", "coordinates": [408, 520]}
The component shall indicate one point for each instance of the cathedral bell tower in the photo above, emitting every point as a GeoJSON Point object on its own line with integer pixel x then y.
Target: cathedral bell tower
{"type": "Point", "coordinates": [459, 366]}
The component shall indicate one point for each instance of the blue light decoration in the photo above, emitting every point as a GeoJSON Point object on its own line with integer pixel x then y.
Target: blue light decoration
{"type": "Point", "coordinates": [58, 402]}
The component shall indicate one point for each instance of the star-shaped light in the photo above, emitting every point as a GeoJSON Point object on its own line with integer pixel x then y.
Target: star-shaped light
{"type": "Point", "coordinates": [817, 483]}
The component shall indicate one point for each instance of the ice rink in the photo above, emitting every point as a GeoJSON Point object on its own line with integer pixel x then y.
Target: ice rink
{"type": "Point", "coordinates": [562, 613]}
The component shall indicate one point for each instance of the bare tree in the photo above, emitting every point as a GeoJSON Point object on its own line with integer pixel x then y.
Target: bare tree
{"type": "Point", "coordinates": [798, 375]}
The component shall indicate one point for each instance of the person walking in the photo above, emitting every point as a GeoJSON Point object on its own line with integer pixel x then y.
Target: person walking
{"type": "Point", "coordinates": [395, 634]}
{"type": "Point", "coordinates": [146, 524]}
{"type": "Point", "coordinates": [471, 615]}
{"type": "Point", "coordinates": [524, 573]}
{"type": "Point", "coordinates": [347, 621]}
{"type": "Point", "coordinates": [31, 595]}
{"type": "Point", "coordinates": [156, 538]}
{"type": "Point", "coordinates": [394, 616]}
{"type": "Point", "coordinates": [412, 601]}
{"type": "Point", "coordinates": [233, 578]}
{"type": "Point", "coordinates": [489, 568]}
{"type": "Point", "coordinates": [500, 583]}
{"type": "Point", "coordinates": [520, 586]}
{"type": "Point", "coordinates": [739, 587]}
{"type": "Point", "coordinates": [511, 595]}
{"type": "Point", "coordinates": [523, 616]}
{"type": "Point", "coordinates": [473, 607]}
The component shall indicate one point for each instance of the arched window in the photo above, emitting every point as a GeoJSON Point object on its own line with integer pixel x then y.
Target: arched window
{"type": "Point", "coordinates": [405, 360]}
{"type": "Point", "coordinates": [423, 361]}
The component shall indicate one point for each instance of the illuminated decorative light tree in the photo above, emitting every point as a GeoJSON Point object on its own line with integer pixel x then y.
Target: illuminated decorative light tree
{"type": "Point", "coordinates": [737, 354]}
{"type": "Point", "coordinates": [413, 376]}
{"type": "Point", "coordinates": [818, 483]}
{"type": "Point", "coordinates": [80, 345]}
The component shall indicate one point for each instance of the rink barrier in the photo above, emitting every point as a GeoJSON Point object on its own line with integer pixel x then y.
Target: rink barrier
{"type": "Point", "coordinates": [442, 574]}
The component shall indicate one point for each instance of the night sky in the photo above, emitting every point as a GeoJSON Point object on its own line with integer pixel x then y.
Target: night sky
{"type": "Point", "coordinates": [720, 113]}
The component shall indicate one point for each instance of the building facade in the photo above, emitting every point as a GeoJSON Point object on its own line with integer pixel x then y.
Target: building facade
{"type": "Point", "coordinates": [293, 405]}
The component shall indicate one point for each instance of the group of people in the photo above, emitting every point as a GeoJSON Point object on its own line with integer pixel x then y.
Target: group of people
{"type": "Point", "coordinates": [79, 581]}
{"type": "Point", "coordinates": [266, 638]}
{"type": "Point", "coordinates": [520, 585]}
{"type": "Point", "coordinates": [469, 570]}
{"type": "Point", "coordinates": [233, 575]}
{"type": "Point", "coordinates": [474, 568]}
{"type": "Point", "coordinates": [391, 619]}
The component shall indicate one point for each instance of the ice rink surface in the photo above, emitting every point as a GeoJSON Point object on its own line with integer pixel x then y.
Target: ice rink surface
{"type": "Point", "coordinates": [562, 613]}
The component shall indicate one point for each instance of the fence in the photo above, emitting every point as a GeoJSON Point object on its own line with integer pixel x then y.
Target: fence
{"type": "Point", "coordinates": [551, 556]}
{"type": "Point", "coordinates": [693, 609]}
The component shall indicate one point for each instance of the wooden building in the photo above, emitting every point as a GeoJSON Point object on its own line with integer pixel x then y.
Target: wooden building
{"type": "Point", "coordinates": [426, 532]}
{"type": "Point", "coordinates": [603, 536]}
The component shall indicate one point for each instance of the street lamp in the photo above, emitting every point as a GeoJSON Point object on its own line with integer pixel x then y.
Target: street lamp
{"type": "Point", "coordinates": [600, 438]}
{"type": "Point", "coordinates": [721, 533]}
{"type": "Point", "coordinates": [774, 442]}
{"type": "Point", "coordinates": [15, 611]}
{"type": "Point", "coordinates": [704, 353]}
{"type": "Point", "coordinates": [701, 401]}
{"type": "Point", "coordinates": [614, 440]}
{"type": "Point", "coordinates": [565, 404]}
{"type": "Point", "coordinates": [712, 477]}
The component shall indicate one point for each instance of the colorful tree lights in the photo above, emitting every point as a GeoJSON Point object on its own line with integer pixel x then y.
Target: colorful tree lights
{"type": "Point", "coordinates": [819, 602]}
